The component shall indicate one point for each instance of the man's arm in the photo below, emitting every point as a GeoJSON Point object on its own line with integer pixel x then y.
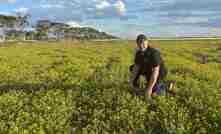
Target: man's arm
{"type": "Point", "coordinates": [153, 80]}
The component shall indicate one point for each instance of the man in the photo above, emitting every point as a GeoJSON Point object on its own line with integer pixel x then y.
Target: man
{"type": "Point", "coordinates": [148, 62]}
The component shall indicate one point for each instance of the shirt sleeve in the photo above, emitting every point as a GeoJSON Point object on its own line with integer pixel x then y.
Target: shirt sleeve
{"type": "Point", "coordinates": [135, 53]}
{"type": "Point", "coordinates": [156, 58]}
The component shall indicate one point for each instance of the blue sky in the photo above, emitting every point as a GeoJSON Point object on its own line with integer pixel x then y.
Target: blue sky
{"type": "Point", "coordinates": [127, 18]}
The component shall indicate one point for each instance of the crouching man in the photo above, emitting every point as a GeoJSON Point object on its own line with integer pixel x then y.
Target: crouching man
{"type": "Point", "coordinates": [147, 62]}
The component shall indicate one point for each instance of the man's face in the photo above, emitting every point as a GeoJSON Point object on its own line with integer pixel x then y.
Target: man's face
{"type": "Point", "coordinates": [143, 45]}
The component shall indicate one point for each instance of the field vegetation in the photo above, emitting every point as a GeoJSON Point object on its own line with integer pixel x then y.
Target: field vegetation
{"type": "Point", "coordinates": [82, 87]}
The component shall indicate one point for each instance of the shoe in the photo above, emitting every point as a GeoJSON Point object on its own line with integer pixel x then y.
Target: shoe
{"type": "Point", "coordinates": [138, 92]}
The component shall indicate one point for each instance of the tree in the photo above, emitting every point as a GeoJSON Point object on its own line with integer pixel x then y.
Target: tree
{"type": "Point", "coordinates": [22, 22]}
{"type": "Point", "coordinates": [40, 34]}
{"type": "Point", "coordinates": [43, 27]}
{"type": "Point", "coordinates": [6, 23]}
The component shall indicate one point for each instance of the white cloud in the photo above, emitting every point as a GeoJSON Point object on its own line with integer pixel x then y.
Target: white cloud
{"type": "Point", "coordinates": [191, 20]}
{"type": "Point", "coordinates": [51, 6]}
{"type": "Point", "coordinates": [120, 7]}
{"type": "Point", "coordinates": [74, 24]}
{"type": "Point", "coordinates": [102, 5]}
{"type": "Point", "coordinates": [5, 13]}
{"type": "Point", "coordinates": [22, 10]}
{"type": "Point", "coordinates": [8, 1]}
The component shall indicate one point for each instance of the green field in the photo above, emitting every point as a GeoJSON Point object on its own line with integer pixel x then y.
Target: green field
{"type": "Point", "coordinates": [52, 88]}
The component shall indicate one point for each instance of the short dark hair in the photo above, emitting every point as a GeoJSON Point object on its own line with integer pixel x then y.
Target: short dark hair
{"type": "Point", "coordinates": [141, 38]}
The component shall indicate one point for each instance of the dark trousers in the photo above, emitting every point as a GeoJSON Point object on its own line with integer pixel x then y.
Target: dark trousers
{"type": "Point", "coordinates": [134, 81]}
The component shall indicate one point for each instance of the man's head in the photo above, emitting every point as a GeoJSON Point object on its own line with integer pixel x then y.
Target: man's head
{"type": "Point", "coordinates": [142, 41]}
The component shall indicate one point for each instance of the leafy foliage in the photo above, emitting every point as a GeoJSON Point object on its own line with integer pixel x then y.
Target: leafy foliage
{"type": "Point", "coordinates": [83, 88]}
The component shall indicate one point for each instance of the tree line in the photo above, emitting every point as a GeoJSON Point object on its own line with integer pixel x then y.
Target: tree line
{"type": "Point", "coordinates": [18, 27]}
